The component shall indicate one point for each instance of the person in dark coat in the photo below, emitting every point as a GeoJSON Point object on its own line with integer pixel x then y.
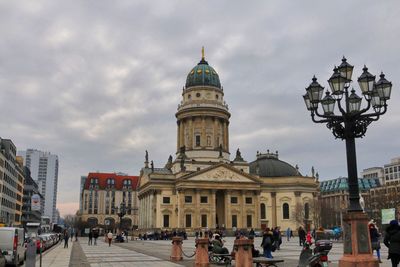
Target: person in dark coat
{"type": "Point", "coordinates": [267, 243]}
{"type": "Point", "coordinates": [375, 244]}
{"type": "Point", "coordinates": [218, 246]}
{"type": "Point", "coordinates": [66, 237]}
{"type": "Point", "coordinates": [302, 236]}
{"type": "Point", "coordinates": [90, 242]}
{"type": "Point", "coordinates": [392, 241]}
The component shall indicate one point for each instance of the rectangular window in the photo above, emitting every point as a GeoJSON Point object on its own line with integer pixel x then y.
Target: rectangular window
{"type": "Point", "coordinates": [234, 200]}
{"type": "Point", "coordinates": [166, 200]}
{"type": "Point", "coordinates": [188, 220]}
{"type": "Point", "coordinates": [249, 224]}
{"type": "Point", "coordinates": [204, 220]}
{"type": "Point", "coordinates": [234, 220]}
{"type": "Point", "coordinates": [197, 140]}
{"type": "Point", "coordinates": [188, 199]}
{"type": "Point", "coordinates": [203, 199]}
{"type": "Point", "coordinates": [249, 200]}
{"type": "Point", "coordinates": [166, 220]}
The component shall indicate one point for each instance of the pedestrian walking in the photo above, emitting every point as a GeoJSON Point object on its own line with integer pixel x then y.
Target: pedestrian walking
{"type": "Point", "coordinates": [109, 236]}
{"type": "Point", "coordinates": [374, 235]}
{"type": "Point", "coordinates": [95, 236]}
{"type": "Point", "coordinates": [392, 241]}
{"type": "Point", "coordinates": [277, 237]}
{"type": "Point", "coordinates": [66, 237]}
{"type": "Point", "coordinates": [267, 243]}
{"type": "Point", "coordinates": [288, 231]}
{"type": "Point", "coordinates": [302, 236]}
{"type": "Point", "coordinates": [90, 242]}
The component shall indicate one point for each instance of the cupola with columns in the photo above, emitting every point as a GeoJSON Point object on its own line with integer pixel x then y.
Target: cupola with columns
{"type": "Point", "coordinates": [203, 116]}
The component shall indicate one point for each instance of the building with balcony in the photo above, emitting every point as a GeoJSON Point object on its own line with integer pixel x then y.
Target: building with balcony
{"type": "Point", "coordinates": [12, 184]}
{"type": "Point", "coordinates": [105, 196]}
{"type": "Point", "coordinates": [31, 190]}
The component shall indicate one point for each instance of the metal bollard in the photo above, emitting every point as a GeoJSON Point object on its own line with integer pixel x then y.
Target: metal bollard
{"type": "Point", "coordinates": [31, 253]}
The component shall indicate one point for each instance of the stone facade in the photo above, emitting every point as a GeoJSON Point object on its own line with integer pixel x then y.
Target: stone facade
{"type": "Point", "coordinates": [202, 187]}
{"type": "Point", "coordinates": [105, 195]}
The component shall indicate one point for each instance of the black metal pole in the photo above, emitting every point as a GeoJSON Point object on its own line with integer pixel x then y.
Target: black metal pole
{"type": "Point", "coordinates": [354, 195]}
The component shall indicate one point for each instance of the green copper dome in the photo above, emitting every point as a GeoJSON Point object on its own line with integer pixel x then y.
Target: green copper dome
{"type": "Point", "coordinates": [203, 74]}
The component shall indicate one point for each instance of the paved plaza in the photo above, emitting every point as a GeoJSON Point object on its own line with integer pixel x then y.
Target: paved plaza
{"type": "Point", "coordinates": [156, 253]}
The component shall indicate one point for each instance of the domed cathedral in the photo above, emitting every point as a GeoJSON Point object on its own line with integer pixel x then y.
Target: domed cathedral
{"type": "Point", "coordinates": [201, 187]}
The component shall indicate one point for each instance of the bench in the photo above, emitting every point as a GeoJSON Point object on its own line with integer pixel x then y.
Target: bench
{"type": "Point", "coordinates": [223, 259]}
{"type": "Point", "coordinates": [261, 261]}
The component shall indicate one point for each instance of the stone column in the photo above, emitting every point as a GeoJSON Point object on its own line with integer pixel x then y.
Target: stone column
{"type": "Point", "coordinates": [224, 135]}
{"type": "Point", "coordinates": [274, 219]}
{"type": "Point", "coordinates": [243, 211]}
{"type": "Point", "coordinates": [213, 209]}
{"type": "Point", "coordinates": [178, 137]}
{"type": "Point", "coordinates": [203, 139]}
{"type": "Point", "coordinates": [197, 211]}
{"type": "Point", "coordinates": [257, 218]}
{"type": "Point", "coordinates": [183, 125]}
{"type": "Point", "coordinates": [181, 199]}
{"type": "Point", "coordinates": [151, 219]}
{"type": "Point", "coordinates": [215, 131]}
{"type": "Point", "coordinates": [190, 141]}
{"type": "Point", "coordinates": [227, 136]}
{"type": "Point", "coordinates": [227, 209]}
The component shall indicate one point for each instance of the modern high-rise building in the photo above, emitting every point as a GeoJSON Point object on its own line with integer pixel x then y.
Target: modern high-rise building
{"type": "Point", "coordinates": [11, 184]}
{"type": "Point", "coordinates": [44, 170]}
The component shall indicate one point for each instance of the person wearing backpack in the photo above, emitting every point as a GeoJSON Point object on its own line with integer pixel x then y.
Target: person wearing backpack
{"type": "Point", "coordinates": [267, 243]}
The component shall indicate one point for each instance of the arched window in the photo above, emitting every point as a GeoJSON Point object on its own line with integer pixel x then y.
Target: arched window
{"type": "Point", "coordinates": [306, 211]}
{"type": "Point", "coordinates": [263, 211]}
{"type": "Point", "coordinates": [285, 210]}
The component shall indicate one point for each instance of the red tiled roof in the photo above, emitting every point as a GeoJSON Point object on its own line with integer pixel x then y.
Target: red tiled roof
{"type": "Point", "coordinates": [118, 180]}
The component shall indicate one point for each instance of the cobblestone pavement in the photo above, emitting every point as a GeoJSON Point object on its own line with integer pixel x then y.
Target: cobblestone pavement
{"type": "Point", "coordinates": [105, 256]}
{"type": "Point", "coordinates": [156, 253]}
{"type": "Point", "coordinates": [289, 251]}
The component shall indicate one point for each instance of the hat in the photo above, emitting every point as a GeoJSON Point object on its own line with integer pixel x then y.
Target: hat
{"type": "Point", "coordinates": [372, 222]}
{"type": "Point", "coordinates": [394, 222]}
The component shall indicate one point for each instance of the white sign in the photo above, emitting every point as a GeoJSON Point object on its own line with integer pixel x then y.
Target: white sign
{"type": "Point", "coordinates": [35, 202]}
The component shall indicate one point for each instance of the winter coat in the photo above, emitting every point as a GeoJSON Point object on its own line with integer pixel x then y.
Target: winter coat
{"type": "Point", "coordinates": [267, 241]}
{"type": "Point", "coordinates": [373, 232]}
{"type": "Point", "coordinates": [302, 234]}
{"type": "Point", "coordinates": [392, 239]}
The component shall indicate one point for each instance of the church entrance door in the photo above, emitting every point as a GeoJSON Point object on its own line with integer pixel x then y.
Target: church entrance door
{"type": "Point", "coordinates": [220, 208]}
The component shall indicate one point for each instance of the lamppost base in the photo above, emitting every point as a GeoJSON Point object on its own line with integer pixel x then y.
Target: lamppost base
{"type": "Point", "coordinates": [357, 245]}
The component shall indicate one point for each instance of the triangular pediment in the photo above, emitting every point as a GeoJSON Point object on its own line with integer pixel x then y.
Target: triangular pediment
{"type": "Point", "coordinates": [221, 173]}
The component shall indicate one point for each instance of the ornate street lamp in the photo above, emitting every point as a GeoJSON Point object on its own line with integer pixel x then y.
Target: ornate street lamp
{"type": "Point", "coordinates": [122, 210]}
{"type": "Point", "coordinates": [351, 122]}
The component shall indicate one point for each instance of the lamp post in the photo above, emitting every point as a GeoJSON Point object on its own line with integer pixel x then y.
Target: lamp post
{"type": "Point", "coordinates": [122, 210]}
{"type": "Point", "coordinates": [351, 122]}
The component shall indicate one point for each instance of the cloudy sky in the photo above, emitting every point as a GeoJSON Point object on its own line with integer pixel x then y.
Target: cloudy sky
{"type": "Point", "coordinates": [98, 82]}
